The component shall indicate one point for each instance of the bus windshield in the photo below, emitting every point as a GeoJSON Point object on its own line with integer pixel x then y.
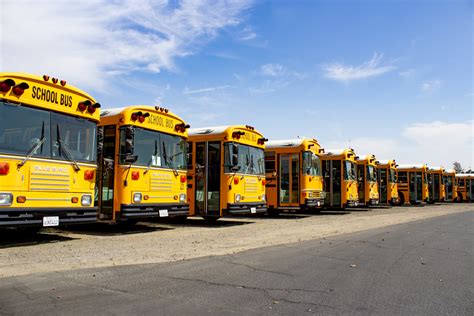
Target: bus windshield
{"type": "Point", "coordinates": [371, 176]}
{"type": "Point", "coordinates": [349, 170]}
{"type": "Point", "coordinates": [156, 149]}
{"type": "Point", "coordinates": [311, 164]}
{"type": "Point", "coordinates": [251, 160]}
{"type": "Point", "coordinates": [24, 129]}
{"type": "Point", "coordinates": [393, 176]}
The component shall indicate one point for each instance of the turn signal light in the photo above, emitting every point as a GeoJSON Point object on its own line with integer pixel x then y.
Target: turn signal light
{"type": "Point", "coordinates": [4, 168]}
{"type": "Point", "coordinates": [88, 174]}
{"type": "Point", "coordinates": [21, 199]}
{"type": "Point", "coordinates": [183, 179]}
{"type": "Point", "coordinates": [146, 197]}
{"type": "Point", "coordinates": [74, 199]}
{"type": "Point", "coordinates": [264, 182]}
{"type": "Point", "coordinates": [135, 175]}
{"type": "Point", "coordinates": [236, 181]}
{"type": "Point", "coordinates": [6, 85]}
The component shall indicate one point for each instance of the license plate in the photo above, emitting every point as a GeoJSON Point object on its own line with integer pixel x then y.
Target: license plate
{"type": "Point", "coordinates": [253, 210]}
{"type": "Point", "coordinates": [50, 221]}
{"type": "Point", "coordinates": [163, 213]}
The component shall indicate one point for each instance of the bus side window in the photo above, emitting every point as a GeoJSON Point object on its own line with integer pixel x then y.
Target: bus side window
{"type": "Point", "coordinates": [270, 161]}
{"type": "Point", "coordinates": [189, 155]}
{"type": "Point", "coordinates": [402, 177]}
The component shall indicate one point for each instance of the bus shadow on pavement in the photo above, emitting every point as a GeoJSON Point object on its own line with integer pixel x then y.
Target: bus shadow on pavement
{"type": "Point", "coordinates": [106, 229]}
{"type": "Point", "coordinates": [198, 222]}
{"type": "Point", "coordinates": [10, 238]}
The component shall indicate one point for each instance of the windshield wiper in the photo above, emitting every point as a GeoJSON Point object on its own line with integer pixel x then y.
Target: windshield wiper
{"type": "Point", "coordinates": [167, 161]}
{"type": "Point", "coordinates": [66, 152]}
{"type": "Point", "coordinates": [34, 148]}
{"type": "Point", "coordinates": [151, 158]}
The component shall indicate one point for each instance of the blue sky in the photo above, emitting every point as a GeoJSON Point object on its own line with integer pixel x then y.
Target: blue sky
{"type": "Point", "coordinates": [393, 78]}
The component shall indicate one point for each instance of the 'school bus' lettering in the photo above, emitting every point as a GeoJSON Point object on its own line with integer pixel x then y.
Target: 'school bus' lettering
{"type": "Point", "coordinates": [51, 96]}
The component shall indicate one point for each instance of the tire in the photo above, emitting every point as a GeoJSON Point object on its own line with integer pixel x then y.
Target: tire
{"type": "Point", "coordinates": [127, 222]}
{"type": "Point", "coordinates": [179, 219]}
{"type": "Point", "coordinates": [401, 199]}
{"type": "Point", "coordinates": [273, 212]}
{"type": "Point", "coordinates": [210, 219]}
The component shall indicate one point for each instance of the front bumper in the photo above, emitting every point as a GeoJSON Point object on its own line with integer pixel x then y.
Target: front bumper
{"type": "Point", "coordinates": [312, 203]}
{"type": "Point", "coordinates": [135, 211]}
{"type": "Point", "coordinates": [246, 208]}
{"type": "Point", "coordinates": [373, 202]}
{"type": "Point", "coordinates": [34, 216]}
{"type": "Point", "coordinates": [353, 203]}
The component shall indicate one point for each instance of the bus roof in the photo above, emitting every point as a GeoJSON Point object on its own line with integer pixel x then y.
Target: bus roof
{"type": "Point", "coordinates": [465, 175]}
{"type": "Point", "coordinates": [145, 116]}
{"type": "Point", "coordinates": [244, 134]}
{"type": "Point", "coordinates": [289, 142]}
{"type": "Point", "coordinates": [387, 161]}
{"type": "Point", "coordinates": [412, 166]}
{"type": "Point", "coordinates": [50, 94]}
{"type": "Point", "coordinates": [436, 168]}
{"type": "Point", "coordinates": [449, 171]}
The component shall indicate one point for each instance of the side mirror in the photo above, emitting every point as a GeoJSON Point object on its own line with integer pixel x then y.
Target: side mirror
{"type": "Point", "coordinates": [129, 136]}
{"type": "Point", "coordinates": [235, 154]}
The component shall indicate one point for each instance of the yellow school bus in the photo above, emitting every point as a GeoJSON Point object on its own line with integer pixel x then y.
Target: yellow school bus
{"type": "Point", "coordinates": [143, 164]}
{"type": "Point", "coordinates": [413, 184]}
{"type": "Point", "coordinates": [387, 181]}
{"type": "Point", "coordinates": [451, 189]}
{"type": "Point", "coordinates": [226, 171]}
{"type": "Point", "coordinates": [340, 178]}
{"type": "Point", "coordinates": [436, 185]}
{"type": "Point", "coordinates": [368, 189]}
{"type": "Point", "coordinates": [294, 175]}
{"type": "Point", "coordinates": [47, 152]}
{"type": "Point", "coordinates": [465, 187]}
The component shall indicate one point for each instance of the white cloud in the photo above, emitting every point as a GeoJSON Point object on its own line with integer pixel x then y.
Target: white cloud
{"type": "Point", "coordinates": [430, 86]}
{"type": "Point", "coordinates": [435, 143]}
{"type": "Point", "coordinates": [247, 34]}
{"type": "Point", "coordinates": [345, 73]}
{"type": "Point", "coordinates": [204, 90]}
{"type": "Point", "coordinates": [272, 70]}
{"type": "Point", "coordinates": [407, 73]}
{"type": "Point", "coordinates": [88, 42]}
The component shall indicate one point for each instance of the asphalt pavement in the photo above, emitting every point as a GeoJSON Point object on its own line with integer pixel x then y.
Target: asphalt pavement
{"type": "Point", "coordinates": [419, 268]}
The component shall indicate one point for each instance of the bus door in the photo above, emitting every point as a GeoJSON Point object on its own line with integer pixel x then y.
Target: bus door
{"type": "Point", "coordinates": [289, 183]}
{"type": "Point", "coordinates": [208, 178]}
{"type": "Point", "coordinates": [413, 187]}
{"type": "Point", "coordinates": [106, 174]}
{"type": "Point", "coordinates": [383, 185]}
{"type": "Point", "coordinates": [469, 190]}
{"type": "Point", "coordinates": [436, 186]}
{"type": "Point", "coordinates": [333, 182]}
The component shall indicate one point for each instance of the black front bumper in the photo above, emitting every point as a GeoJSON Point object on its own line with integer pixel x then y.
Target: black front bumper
{"type": "Point", "coordinates": [132, 211]}
{"type": "Point", "coordinates": [245, 208]}
{"type": "Point", "coordinates": [34, 216]}
{"type": "Point", "coordinates": [312, 203]}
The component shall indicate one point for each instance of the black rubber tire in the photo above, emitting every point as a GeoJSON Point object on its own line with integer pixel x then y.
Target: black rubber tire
{"type": "Point", "coordinates": [211, 219]}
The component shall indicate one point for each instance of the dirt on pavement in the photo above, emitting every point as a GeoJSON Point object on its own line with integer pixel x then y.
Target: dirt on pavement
{"type": "Point", "coordinates": [104, 245]}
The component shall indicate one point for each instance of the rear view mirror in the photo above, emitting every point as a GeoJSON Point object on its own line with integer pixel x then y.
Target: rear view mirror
{"type": "Point", "coordinates": [130, 159]}
{"type": "Point", "coordinates": [129, 136]}
{"type": "Point", "coordinates": [235, 154]}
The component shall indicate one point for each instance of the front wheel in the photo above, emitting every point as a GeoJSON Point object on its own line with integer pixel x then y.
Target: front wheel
{"type": "Point", "coordinates": [211, 219]}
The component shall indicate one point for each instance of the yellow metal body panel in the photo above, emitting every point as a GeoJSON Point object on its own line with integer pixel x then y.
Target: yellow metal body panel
{"type": "Point", "coordinates": [392, 189]}
{"type": "Point", "coordinates": [349, 192]}
{"type": "Point", "coordinates": [250, 187]}
{"type": "Point", "coordinates": [371, 189]}
{"type": "Point", "coordinates": [310, 187]}
{"type": "Point", "coordinates": [42, 183]}
{"type": "Point", "coordinates": [156, 184]}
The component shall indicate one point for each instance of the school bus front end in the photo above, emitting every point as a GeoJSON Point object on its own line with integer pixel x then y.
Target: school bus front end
{"type": "Point", "coordinates": [47, 152]}
{"type": "Point", "coordinates": [340, 178]}
{"type": "Point", "coordinates": [143, 172]}
{"type": "Point", "coordinates": [413, 184]}
{"type": "Point", "coordinates": [226, 174]}
{"type": "Point", "coordinates": [294, 175]}
{"type": "Point", "coordinates": [450, 187]}
{"type": "Point", "coordinates": [436, 185]}
{"type": "Point", "coordinates": [387, 182]}
{"type": "Point", "coordinates": [465, 187]}
{"type": "Point", "coordinates": [367, 180]}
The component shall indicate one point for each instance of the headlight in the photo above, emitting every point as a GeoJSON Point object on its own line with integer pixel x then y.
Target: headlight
{"type": "Point", "coordinates": [86, 200]}
{"type": "Point", "coordinates": [237, 198]}
{"type": "Point", "coordinates": [264, 197]}
{"type": "Point", "coordinates": [137, 197]}
{"type": "Point", "coordinates": [6, 199]}
{"type": "Point", "coordinates": [182, 198]}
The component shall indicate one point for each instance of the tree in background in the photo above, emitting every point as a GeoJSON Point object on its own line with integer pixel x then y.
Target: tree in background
{"type": "Point", "coordinates": [457, 167]}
